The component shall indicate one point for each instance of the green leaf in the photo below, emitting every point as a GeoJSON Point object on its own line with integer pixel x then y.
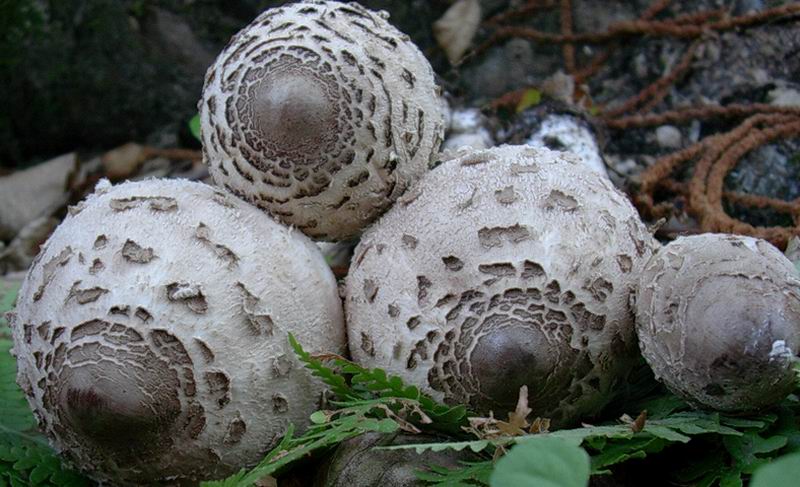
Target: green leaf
{"type": "Point", "coordinates": [543, 462]}
{"type": "Point", "coordinates": [578, 435]}
{"type": "Point", "coordinates": [731, 478]}
{"type": "Point", "coordinates": [319, 417]}
{"type": "Point", "coordinates": [194, 126]}
{"type": "Point", "coordinates": [470, 473]}
{"type": "Point", "coordinates": [711, 465]}
{"type": "Point", "coordinates": [530, 98]}
{"type": "Point", "coordinates": [367, 400]}
{"type": "Point", "coordinates": [666, 433]}
{"type": "Point", "coordinates": [474, 446]}
{"type": "Point", "coordinates": [622, 451]}
{"type": "Point", "coordinates": [745, 448]}
{"type": "Point", "coordinates": [783, 471]}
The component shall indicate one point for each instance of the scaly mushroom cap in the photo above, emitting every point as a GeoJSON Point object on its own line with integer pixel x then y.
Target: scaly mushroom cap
{"type": "Point", "coordinates": [505, 267]}
{"type": "Point", "coordinates": [151, 332]}
{"type": "Point", "coordinates": [718, 318]}
{"type": "Point", "coordinates": [321, 113]}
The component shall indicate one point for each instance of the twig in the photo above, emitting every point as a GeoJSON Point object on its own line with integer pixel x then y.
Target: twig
{"type": "Point", "coordinates": [568, 49]}
{"type": "Point", "coordinates": [688, 114]}
{"type": "Point", "coordinates": [653, 28]}
{"type": "Point", "coordinates": [656, 91]}
{"type": "Point", "coordinates": [599, 60]}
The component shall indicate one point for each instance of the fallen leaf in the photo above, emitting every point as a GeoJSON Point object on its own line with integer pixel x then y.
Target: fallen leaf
{"type": "Point", "coordinates": [530, 98]}
{"type": "Point", "coordinates": [123, 161]}
{"type": "Point", "coordinates": [455, 30]}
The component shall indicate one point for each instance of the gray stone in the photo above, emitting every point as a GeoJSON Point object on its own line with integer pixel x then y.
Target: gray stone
{"type": "Point", "coordinates": [20, 253]}
{"type": "Point", "coordinates": [95, 74]}
{"type": "Point", "coordinates": [668, 137]}
{"type": "Point", "coordinates": [504, 68]}
{"type": "Point", "coordinates": [784, 97]}
{"type": "Point", "coordinates": [34, 193]}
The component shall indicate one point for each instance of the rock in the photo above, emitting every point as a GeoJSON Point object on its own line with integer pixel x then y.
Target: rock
{"type": "Point", "coordinates": [158, 167]}
{"type": "Point", "coordinates": [95, 74]}
{"type": "Point", "coordinates": [568, 133]}
{"type": "Point", "coordinates": [92, 78]}
{"type": "Point", "coordinates": [504, 68]}
{"type": "Point", "coordinates": [179, 41]}
{"type": "Point", "coordinates": [122, 162]}
{"type": "Point", "coordinates": [467, 129]}
{"type": "Point", "coordinates": [784, 97]}
{"type": "Point", "coordinates": [747, 6]}
{"type": "Point", "coordinates": [34, 193]}
{"type": "Point", "coordinates": [668, 137]}
{"type": "Point", "coordinates": [479, 140]}
{"type": "Point", "coordinates": [560, 86]}
{"type": "Point", "coordinates": [739, 67]}
{"type": "Point", "coordinates": [598, 15]}
{"type": "Point", "coordinates": [770, 170]}
{"type": "Point", "coordinates": [553, 126]}
{"type": "Point", "coordinates": [20, 253]}
{"type": "Point", "coordinates": [466, 120]}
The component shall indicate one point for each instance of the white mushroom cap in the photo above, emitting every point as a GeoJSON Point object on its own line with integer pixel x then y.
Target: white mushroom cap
{"type": "Point", "coordinates": [321, 113]}
{"type": "Point", "coordinates": [151, 332]}
{"type": "Point", "coordinates": [718, 318]}
{"type": "Point", "coordinates": [505, 267]}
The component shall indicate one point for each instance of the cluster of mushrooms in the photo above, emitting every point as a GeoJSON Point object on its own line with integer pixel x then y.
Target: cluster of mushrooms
{"type": "Point", "coordinates": [151, 332]}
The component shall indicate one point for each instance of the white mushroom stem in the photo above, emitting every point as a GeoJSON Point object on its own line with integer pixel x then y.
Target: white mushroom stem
{"type": "Point", "coordinates": [568, 133]}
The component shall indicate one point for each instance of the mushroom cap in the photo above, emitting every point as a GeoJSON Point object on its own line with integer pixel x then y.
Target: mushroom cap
{"type": "Point", "coordinates": [503, 267]}
{"type": "Point", "coordinates": [321, 113]}
{"type": "Point", "coordinates": [151, 332]}
{"type": "Point", "coordinates": [718, 319]}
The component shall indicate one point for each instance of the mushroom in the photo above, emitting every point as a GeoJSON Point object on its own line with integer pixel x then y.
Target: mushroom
{"type": "Point", "coordinates": [358, 462]}
{"type": "Point", "coordinates": [321, 113]}
{"type": "Point", "coordinates": [151, 332]}
{"type": "Point", "coordinates": [718, 319]}
{"type": "Point", "coordinates": [503, 267]}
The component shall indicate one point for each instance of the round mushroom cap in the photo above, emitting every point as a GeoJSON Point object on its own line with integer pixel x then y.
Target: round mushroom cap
{"type": "Point", "coordinates": [718, 319]}
{"type": "Point", "coordinates": [503, 267]}
{"type": "Point", "coordinates": [321, 113]}
{"type": "Point", "coordinates": [151, 332]}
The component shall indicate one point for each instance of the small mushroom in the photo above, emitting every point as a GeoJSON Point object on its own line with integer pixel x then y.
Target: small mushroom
{"type": "Point", "coordinates": [151, 332]}
{"type": "Point", "coordinates": [359, 462]}
{"type": "Point", "coordinates": [718, 319]}
{"type": "Point", "coordinates": [321, 113]}
{"type": "Point", "coordinates": [503, 267]}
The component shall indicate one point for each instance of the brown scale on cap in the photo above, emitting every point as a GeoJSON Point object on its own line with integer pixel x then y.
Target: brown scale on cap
{"type": "Point", "coordinates": [718, 318]}
{"type": "Point", "coordinates": [321, 113]}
